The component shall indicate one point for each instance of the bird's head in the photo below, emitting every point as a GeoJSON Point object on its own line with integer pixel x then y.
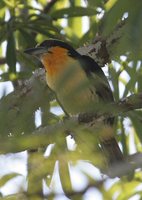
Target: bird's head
{"type": "Point", "coordinates": [53, 53]}
{"type": "Point", "coordinates": [52, 46]}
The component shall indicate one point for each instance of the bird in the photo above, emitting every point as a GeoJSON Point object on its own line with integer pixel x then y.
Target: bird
{"type": "Point", "coordinates": [79, 84]}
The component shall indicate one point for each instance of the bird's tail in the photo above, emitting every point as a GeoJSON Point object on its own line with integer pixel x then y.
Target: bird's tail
{"type": "Point", "coordinates": [110, 146]}
{"type": "Point", "coordinates": [112, 151]}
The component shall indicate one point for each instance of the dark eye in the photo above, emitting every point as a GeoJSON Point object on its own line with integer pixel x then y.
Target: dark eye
{"type": "Point", "coordinates": [69, 53]}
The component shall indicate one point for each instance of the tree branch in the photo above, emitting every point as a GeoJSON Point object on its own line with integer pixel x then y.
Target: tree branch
{"type": "Point", "coordinates": [101, 48]}
{"type": "Point", "coordinates": [124, 105]}
{"type": "Point", "coordinates": [103, 111]}
{"type": "Point", "coordinates": [131, 163]}
{"type": "Point", "coordinates": [49, 6]}
{"type": "Point", "coordinates": [129, 103]}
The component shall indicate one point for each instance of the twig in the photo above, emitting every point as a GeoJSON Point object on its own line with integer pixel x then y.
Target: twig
{"type": "Point", "coordinates": [131, 163]}
{"type": "Point", "coordinates": [124, 105]}
{"type": "Point", "coordinates": [129, 103]}
{"type": "Point", "coordinates": [103, 111]}
{"type": "Point", "coordinates": [49, 6]}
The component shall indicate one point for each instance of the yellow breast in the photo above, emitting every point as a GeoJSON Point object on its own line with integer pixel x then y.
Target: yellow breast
{"type": "Point", "coordinates": [69, 81]}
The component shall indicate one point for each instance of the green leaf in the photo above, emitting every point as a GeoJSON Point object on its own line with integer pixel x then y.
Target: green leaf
{"type": "Point", "coordinates": [12, 76]}
{"type": "Point", "coordinates": [136, 118]}
{"type": "Point", "coordinates": [11, 53]}
{"type": "Point", "coordinates": [95, 3]}
{"type": "Point", "coordinates": [114, 78]}
{"type": "Point", "coordinates": [7, 178]}
{"type": "Point", "coordinates": [10, 4]}
{"type": "Point", "coordinates": [75, 22]}
{"type": "Point", "coordinates": [73, 12]}
{"type": "Point", "coordinates": [25, 39]}
{"type": "Point", "coordinates": [114, 15]}
{"type": "Point", "coordinates": [64, 173]}
{"type": "Point", "coordinates": [2, 10]}
{"type": "Point", "coordinates": [130, 40]}
{"type": "Point", "coordinates": [3, 31]}
{"type": "Point", "coordinates": [123, 189]}
{"type": "Point", "coordinates": [123, 137]}
{"type": "Point", "coordinates": [128, 189]}
{"type": "Point", "coordinates": [45, 30]}
{"type": "Point", "coordinates": [30, 64]}
{"type": "Point", "coordinates": [50, 167]}
{"type": "Point", "coordinates": [2, 4]}
{"type": "Point", "coordinates": [89, 34]}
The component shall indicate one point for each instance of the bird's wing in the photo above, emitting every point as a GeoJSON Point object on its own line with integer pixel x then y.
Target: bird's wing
{"type": "Point", "coordinates": [98, 78]}
{"type": "Point", "coordinates": [108, 142]}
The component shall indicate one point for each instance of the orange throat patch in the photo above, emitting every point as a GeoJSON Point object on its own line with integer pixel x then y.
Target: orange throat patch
{"type": "Point", "coordinates": [55, 61]}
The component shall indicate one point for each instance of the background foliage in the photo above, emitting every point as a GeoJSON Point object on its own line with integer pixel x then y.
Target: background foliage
{"type": "Point", "coordinates": [23, 24]}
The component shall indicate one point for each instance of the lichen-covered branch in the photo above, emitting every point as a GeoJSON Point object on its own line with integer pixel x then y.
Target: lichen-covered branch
{"type": "Point", "coordinates": [101, 49]}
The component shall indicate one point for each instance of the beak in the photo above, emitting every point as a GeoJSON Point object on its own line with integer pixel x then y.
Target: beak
{"type": "Point", "coordinates": [37, 51]}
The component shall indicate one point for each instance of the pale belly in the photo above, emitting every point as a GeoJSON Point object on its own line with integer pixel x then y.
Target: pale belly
{"type": "Point", "coordinates": [75, 102]}
{"type": "Point", "coordinates": [74, 91]}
